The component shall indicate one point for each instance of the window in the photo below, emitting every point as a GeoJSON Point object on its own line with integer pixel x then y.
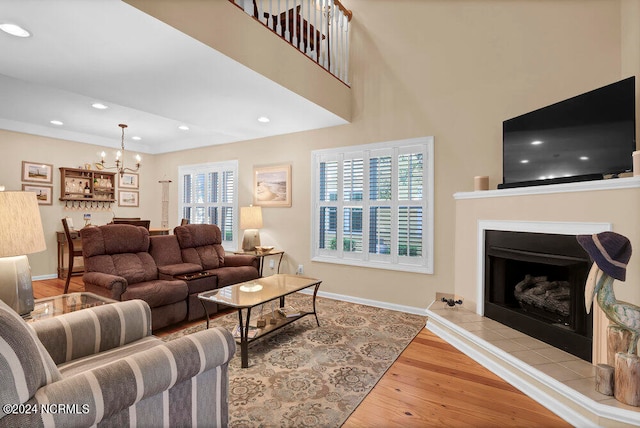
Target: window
{"type": "Point", "coordinates": [207, 195]}
{"type": "Point", "coordinates": [373, 205]}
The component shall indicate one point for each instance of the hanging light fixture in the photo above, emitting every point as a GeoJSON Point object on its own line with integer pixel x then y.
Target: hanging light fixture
{"type": "Point", "coordinates": [120, 154]}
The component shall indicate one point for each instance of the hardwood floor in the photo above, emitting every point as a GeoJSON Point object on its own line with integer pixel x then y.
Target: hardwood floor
{"type": "Point", "coordinates": [432, 384]}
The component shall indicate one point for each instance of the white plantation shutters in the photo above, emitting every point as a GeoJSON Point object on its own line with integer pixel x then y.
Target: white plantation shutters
{"type": "Point", "coordinates": [373, 205]}
{"type": "Point", "coordinates": [208, 196]}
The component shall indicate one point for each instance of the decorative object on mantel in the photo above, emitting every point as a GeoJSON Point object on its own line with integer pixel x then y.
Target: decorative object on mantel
{"type": "Point", "coordinates": [119, 163]}
{"type": "Point", "coordinates": [272, 186]}
{"type": "Point", "coordinates": [611, 252]}
{"type": "Point", "coordinates": [165, 203]}
{"type": "Point", "coordinates": [250, 221]}
{"type": "Point", "coordinates": [480, 182]}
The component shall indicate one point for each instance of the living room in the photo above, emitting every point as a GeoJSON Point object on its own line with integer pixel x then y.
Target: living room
{"type": "Point", "coordinates": [452, 70]}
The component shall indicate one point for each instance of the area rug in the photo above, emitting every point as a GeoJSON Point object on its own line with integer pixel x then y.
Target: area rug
{"type": "Point", "coordinates": [309, 376]}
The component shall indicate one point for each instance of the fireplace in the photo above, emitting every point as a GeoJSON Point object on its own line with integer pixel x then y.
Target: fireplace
{"type": "Point", "coordinates": [534, 283]}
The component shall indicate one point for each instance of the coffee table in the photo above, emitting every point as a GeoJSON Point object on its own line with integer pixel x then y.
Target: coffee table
{"type": "Point", "coordinates": [49, 307]}
{"type": "Point", "coordinates": [248, 295]}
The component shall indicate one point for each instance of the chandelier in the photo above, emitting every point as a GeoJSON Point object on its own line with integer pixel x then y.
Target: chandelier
{"type": "Point", "coordinates": [120, 154]}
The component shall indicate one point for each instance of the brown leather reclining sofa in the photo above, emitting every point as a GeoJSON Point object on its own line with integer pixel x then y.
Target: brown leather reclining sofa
{"type": "Point", "coordinates": [123, 262]}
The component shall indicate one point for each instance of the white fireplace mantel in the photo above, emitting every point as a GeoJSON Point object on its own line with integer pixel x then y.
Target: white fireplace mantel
{"type": "Point", "coordinates": [571, 209]}
{"type": "Point", "coordinates": [582, 186]}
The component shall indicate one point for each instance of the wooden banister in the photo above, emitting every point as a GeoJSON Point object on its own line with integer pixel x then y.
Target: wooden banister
{"type": "Point", "coordinates": [344, 10]}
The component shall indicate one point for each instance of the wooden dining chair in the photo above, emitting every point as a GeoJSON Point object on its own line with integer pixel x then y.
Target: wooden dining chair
{"type": "Point", "coordinates": [73, 253]}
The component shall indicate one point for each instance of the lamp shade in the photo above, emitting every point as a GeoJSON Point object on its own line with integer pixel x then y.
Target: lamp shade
{"type": "Point", "coordinates": [250, 217]}
{"type": "Point", "coordinates": [20, 224]}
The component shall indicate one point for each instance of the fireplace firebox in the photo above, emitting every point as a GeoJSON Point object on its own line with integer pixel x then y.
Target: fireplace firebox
{"type": "Point", "coordinates": [534, 283]}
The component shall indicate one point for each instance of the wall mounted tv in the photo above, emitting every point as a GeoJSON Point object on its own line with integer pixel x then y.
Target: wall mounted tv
{"type": "Point", "coordinates": [586, 137]}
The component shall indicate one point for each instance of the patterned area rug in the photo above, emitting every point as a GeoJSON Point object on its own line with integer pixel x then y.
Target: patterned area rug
{"type": "Point", "coordinates": [309, 376]}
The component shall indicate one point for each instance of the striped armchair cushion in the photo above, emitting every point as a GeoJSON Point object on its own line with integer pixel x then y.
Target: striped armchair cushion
{"type": "Point", "coordinates": [25, 365]}
{"type": "Point", "coordinates": [94, 330]}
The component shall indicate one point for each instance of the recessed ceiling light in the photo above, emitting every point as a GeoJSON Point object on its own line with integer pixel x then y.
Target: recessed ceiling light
{"type": "Point", "coordinates": [524, 161]}
{"type": "Point", "coordinates": [99, 106]}
{"type": "Point", "coordinates": [536, 143]}
{"type": "Point", "coordinates": [56, 122]}
{"type": "Point", "coordinates": [584, 157]}
{"type": "Point", "coordinates": [14, 30]}
{"type": "Point", "coordinates": [183, 127]}
{"type": "Point", "coordinates": [136, 138]}
{"type": "Point", "coordinates": [264, 119]}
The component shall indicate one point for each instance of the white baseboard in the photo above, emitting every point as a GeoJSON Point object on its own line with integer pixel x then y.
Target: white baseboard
{"type": "Point", "coordinates": [42, 277]}
{"type": "Point", "coordinates": [368, 302]}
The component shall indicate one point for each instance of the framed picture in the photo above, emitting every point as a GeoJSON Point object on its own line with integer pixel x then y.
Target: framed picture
{"type": "Point", "coordinates": [43, 193]}
{"type": "Point", "coordinates": [129, 180]}
{"type": "Point", "coordinates": [128, 198]}
{"type": "Point", "coordinates": [37, 172]}
{"type": "Point", "coordinates": [272, 186]}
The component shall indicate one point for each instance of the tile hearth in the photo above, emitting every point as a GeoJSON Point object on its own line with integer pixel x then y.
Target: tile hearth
{"type": "Point", "coordinates": [547, 370]}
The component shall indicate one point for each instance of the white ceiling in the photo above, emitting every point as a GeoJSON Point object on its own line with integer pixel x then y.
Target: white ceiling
{"type": "Point", "coordinates": [152, 77]}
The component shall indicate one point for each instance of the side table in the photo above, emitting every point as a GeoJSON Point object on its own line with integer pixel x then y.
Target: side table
{"type": "Point", "coordinates": [261, 257]}
{"type": "Point", "coordinates": [49, 307]}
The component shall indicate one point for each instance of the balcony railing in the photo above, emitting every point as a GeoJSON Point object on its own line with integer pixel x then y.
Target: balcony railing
{"type": "Point", "coordinates": [317, 28]}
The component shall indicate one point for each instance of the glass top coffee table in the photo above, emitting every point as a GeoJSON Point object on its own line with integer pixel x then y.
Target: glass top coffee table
{"type": "Point", "coordinates": [49, 307]}
{"type": "Point", "coordinates": [250, 294]}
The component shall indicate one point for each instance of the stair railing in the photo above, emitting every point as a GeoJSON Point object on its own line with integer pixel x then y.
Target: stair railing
{"type": "Point", "coordinates": [317, 28]}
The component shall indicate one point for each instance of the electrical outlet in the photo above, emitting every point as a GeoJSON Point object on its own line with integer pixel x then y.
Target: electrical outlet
{"type": "Point", "coordinates": [300, 270]}
{"type": "Point", "coordinates": [272, 264]}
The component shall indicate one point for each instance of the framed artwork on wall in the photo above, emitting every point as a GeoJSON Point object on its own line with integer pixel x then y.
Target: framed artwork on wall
{"type": "Point", "coordinates": [37, 172]}
{"type": "Point", "coordinates": [43, 193]}
{"type": "Point", "coordinates": [129, 180]}
{"type": "Point", "coordinates": [272, 186]}
{"type": "Point", "coordinates": [127, 198]}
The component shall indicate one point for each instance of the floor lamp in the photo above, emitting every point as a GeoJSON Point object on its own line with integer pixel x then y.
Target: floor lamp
{"type": "Point", "coordinates": [20, 234]}
{"type": "Point", "coordinates": [250, 221]}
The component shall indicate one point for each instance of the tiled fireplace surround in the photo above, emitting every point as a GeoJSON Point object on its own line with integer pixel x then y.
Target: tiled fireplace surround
{"type": "Point", "coordinates": [560, 381]}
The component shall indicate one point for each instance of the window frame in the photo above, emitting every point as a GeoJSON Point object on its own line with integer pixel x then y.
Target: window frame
{"type": "Point", "coordinates": [392, 261]}
{"type": "Point", "coordinates": [206, 168]}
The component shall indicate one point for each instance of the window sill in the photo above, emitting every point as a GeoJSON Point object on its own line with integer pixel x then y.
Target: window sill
{"type": "Point", "coordinates": [375, 265]}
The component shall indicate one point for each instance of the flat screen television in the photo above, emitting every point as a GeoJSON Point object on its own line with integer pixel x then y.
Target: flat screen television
{"type": "Point", "coordinates": [586, 137]}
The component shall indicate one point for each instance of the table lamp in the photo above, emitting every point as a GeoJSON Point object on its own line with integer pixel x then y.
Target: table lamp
{"type": "Point", "coordinates": [250, 221]}
{"type": "Point", "coordinates": [20, 234]}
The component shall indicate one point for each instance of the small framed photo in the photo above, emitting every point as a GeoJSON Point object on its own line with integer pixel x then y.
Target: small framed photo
{"type": "Point", "coordinates": [129, 180]}
{"type": "Point", "coordinates": [272, 186]}
{"type": "Point", "coordinates": [37, 172]}
{"type": "Point", "coordinates": [43, 193]}
{"type": "Point", "coordinates": [128, 198]}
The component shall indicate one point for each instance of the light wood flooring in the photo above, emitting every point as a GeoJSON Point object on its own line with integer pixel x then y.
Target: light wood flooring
{"type": "Point", "coordinates": [431, 384]}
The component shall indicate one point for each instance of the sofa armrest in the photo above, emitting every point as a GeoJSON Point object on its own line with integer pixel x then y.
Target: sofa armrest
{"type": "Point", "coordinates": [104, 391]}
{"type": "Point", "coordinates": [105, 280]}
{"type": "Point", "coordinates": [100, 328]}
{"type": "Point", "coordinates": [234, 260]}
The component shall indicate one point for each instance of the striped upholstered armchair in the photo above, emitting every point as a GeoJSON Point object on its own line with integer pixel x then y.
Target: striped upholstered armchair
{"type": "Point", "coordinates": [102, 366]}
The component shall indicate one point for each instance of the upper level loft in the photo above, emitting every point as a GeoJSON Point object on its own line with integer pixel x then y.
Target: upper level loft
{"type": "Point", "coordinates": [297, 66]}
{"type": "Point", "coordinates": [317, 28]}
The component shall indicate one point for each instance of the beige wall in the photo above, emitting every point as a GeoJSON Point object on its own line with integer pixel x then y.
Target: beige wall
{"type": "Point", "coordinates": [451, 69]}
{"type": "Point", "coordinates": [16, 147]}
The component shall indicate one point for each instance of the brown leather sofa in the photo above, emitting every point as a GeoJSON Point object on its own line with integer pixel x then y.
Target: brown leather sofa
{"type": "Point", "coordinates": [123, 262]}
